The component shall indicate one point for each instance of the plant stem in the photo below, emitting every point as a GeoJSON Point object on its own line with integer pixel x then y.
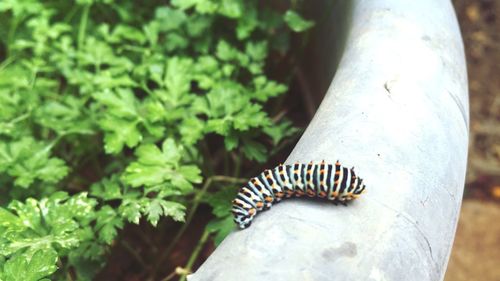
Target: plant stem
{"type": "Point", "coordinates": [226, 163]}
{"type": "Point", "coordinates": [70, 14]}
{"type": "Point", "coordinates": [228, 179]}
{"type": "Point", "coordinates": [189, 218]}
{"type": "Point", "coordinates": [10, 35]}
{"type": "Point", "coordinates": [237, 164]}
{"type": "Point", "coordinates": [181, 231]}
{"type": "Point", "coordinates": [6, 62]}
{"type": "Point", "coordinates": [83, 26]}
{"type": "Point", "coordinates": [137, 257]}
{"type": "Point", "coordinates": [206, 155]}
{"type": "Point", "coordinates": [68, 274]}
{"type": "Point", "coordinates": [195, 254]}
{"type": "Point", "coordinates": [170, 276]}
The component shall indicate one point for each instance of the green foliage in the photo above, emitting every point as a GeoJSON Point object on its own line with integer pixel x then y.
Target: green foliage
{"type": "Point", "coordinates": [223, 224]}
{"type": "Point", "coordinates": [37, 231]}
{"type": "Point", "coordinates": [111, 113]}
{"type": "Point", "coordinates": [296, 22]}
{"type": "Point", "coordinates": [41, 264]}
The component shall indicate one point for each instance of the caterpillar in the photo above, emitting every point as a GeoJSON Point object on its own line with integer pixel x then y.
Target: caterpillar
{"type": "Point", "coordinates": [333, 182]}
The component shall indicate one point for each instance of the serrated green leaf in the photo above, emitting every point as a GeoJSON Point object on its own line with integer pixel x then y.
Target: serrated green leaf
{"type": "Point", "coordinates": [131, 210]}
{"type": "Point", "coordinates": [107, 189]}
{"type": "Point", "coordinates": [231, 8]}
{"type": "Point", "coordinates": [121, 103]}
{"type": "Point", "coordinates": [150, 154]}
{"type": "Point", "coordinates": [248, 23]}
{"type": "Point", "coordinates": [170, 151]}
{"type": "Point", "coordinates": [174, 210]}
{"type": "Point", "coordinates": [296, 22]}
{"type": "Point", "coordinates": [257, 51]}
{"type": "Point", "coordinates": [7, 219]}
{"type": "Point", "coordinates": [58, 222]}
{"type": "Point", "coordinates": [120, 133]}
{"type": "Point", "coordinates": [225, 51]}
{"type": "Point", "coordinates": [28, 160]}
{"type": "Point", "coordinates": [231, 142]}
{"type": "Point", "coordinates": [221, 227]}
{"type": "Point", "coordinates": [278, 132]}
{"type": "Point", "coordinates": [126, 32]}
{"type": "Point", "coordinates": [169, 19]}
{"type": "Point", "coordinates": [192, 130]}
{"type": "Point", "coordinates": [191, 173]}
{"type": "Point", "coordinates": [107, 224]}
{"type": "Point", "coordinates": [254, 150]}
{"type": "Point", "coordinates": [221, 201]}
{"type": "Point", "coordinates": [138, 174]}
{"type": "Point", "coordinates": [161, 167]}
{"type": "Point", "coordinates": [265, 89]}
{"type": "Point", "coordinates": [23, 268]}
{"type": "Point", "coordinates": [156, 208]}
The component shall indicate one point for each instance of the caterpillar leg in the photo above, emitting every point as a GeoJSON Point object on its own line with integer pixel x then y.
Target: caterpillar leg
{"type": "Point", "coordinates": [242, 221]}
{"type": "Point", "coordinates": [268, 202]}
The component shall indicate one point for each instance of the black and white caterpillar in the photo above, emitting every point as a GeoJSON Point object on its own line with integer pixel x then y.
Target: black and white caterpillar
{"type": "Point", "coordinates": [333, 182]}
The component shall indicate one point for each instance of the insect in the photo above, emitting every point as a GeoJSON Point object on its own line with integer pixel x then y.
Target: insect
{"type": "Point", "coordinates": [333, 182]}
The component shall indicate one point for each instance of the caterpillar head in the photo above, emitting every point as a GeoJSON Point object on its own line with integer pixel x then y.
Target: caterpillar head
{"type": "Point", "coordinates": [243, 222]}
{"type": "Point", "coordinates": [360, 187]}
{"type": "Point", "coordinates": [243, 217]}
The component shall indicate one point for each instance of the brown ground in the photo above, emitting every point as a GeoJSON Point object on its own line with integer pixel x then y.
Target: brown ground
{"type": "Point", "coordinates": [481, 33]}
{"type": "Point", "coordinates": [476, 251]}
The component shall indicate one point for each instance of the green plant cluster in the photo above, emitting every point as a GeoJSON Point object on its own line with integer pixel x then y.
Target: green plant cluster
{"type": "Point", "coordinates": [111, 113]}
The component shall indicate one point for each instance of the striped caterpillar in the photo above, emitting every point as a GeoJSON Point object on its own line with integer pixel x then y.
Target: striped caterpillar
{"type": "Point", "coordinates": [333, 182]}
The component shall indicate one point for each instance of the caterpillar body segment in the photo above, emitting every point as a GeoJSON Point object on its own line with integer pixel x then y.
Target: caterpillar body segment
{"type": "Point", "coordinates": [332, 182]}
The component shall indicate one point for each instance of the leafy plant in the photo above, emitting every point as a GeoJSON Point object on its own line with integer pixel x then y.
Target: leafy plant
{"type": "Point", "coordinates": [121, 112]}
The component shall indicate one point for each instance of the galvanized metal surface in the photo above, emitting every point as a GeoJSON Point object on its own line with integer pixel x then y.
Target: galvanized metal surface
{"type": "Point", "coordinates": [397, 109]}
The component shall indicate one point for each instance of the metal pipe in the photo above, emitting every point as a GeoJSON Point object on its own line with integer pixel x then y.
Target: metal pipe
{"type": "Point", "coordinates": [397, 109]}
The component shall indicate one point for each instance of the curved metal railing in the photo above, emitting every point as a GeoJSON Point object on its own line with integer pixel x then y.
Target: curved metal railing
{"type": "Point", "coordinates": [397, 109]}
